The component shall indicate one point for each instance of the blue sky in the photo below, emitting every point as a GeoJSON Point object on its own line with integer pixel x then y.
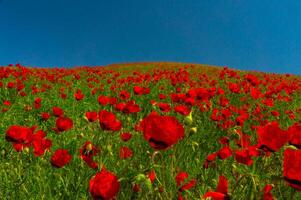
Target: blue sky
{"type": "Point", "coordinates": [260, 35]}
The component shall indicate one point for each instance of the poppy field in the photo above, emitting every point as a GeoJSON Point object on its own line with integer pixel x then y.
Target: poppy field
{"type": "Point", "coordinates": [149, 131]}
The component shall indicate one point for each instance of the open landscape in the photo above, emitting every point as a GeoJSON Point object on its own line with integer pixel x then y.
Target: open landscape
{"type": "Point", "coordinates": [153, 130]}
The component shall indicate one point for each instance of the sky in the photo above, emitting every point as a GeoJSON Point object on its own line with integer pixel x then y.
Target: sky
{"type": "Point", "coordinates": [261, 35]}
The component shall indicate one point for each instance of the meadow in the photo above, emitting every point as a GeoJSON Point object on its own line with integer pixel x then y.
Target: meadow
{"type": "Point", "coordinates": [149, 131]}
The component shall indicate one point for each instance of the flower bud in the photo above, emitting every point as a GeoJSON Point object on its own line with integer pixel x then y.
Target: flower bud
{"type": "Point", "coordinates": [89, 147]}
{"type": "Point", "coordinates": [140, 178]}
{"type": "Point", "coordinates": [188, 119]}
{"type": "Point", "coordinates": [192, 130]}
{"type": "Point", "coordinates": [26, 150]}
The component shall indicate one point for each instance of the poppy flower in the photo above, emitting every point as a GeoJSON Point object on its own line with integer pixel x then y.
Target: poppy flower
{"type": "Point", "coordinates": [120, 106]}
{"type": "Point", "coordinates": [103, 100]}
{"type": "Point", "coordinates": [64, 124]}
{"type": "Point", "coordinates": [243, 156]}
{"type": "Point", "coordinates": [45, 116]}
{"type": "Point", "coordinates": [78, 95]}
{"type": "Point", "coordinates": [181, 180]}
{"type": "Point", "coordinates": [271, 137]}
{"type": "Point", "coordinates": [255, 93]}
{"type": "Point", "coordinates": [183, 110]}
{"type": "Point", "coordinates": [125, 136]}
{"type": "Point", "coordinates": [60, 158]}
{"type": "Point", "coordinates": [131, 107]}
{"type": "Point", "coordinates": [57, 111]}
{"type": "Point", "coordinates": [161, 131]}
{"type": "Point", "coordinates": [125, 153]}
{"type": "Point", "coordinates": [91, 116]}
{"type": "Point", "coordinates": [295, 135]}
{"type": "Point", "coordinates": [210, 158]}
{"type": "Point", "coordinates": [40, 145]}
{"type": "Point", "coordinates": [162, 96]}
{"type": "Point", "coordinates": [87, 152]}
{"type": "Point", "coordinates": [151, 175]}
{"type": "Point", "coordinates": [19, 134]}
{"type": "Point", "coordinates": [292, 168]}
{"type": "Point", "coordinates": [37, 103]}
{"type": "Point", "coordinates": [104, 185]}
{"type": "Point", "coordinates": [124, 95]}
{"type": "Point", "coordinates": [224, 152]}
{"type": "Point", "coordinates": [267, 195]}
{"type": "Point", "coordinates": [138, 90]}
{"type": "Point", "coordinates": [164, 107]}
{"type": "Point", "coordinates": [108, 121]}
{"type": "Point", "coordinates": [221, 192]}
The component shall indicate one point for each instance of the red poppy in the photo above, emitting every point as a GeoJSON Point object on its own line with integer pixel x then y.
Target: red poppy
{"type": "Point", "coordinates": [124, 95]}
{"type": "Point", "coordinates": [125, 153]}
{"type": "Point", "coordinates": [161, 131]}
{"type": "Point", "coordinates": [221, 192]}
{"type": "Point", "coordinates": [138, 90]}
{"type": "Point", "coordinates": [181, 180]}
{"type": "Point", "coordinates": [210, 158]}
{"type": "Point", "coordinates": [108, 121]}
{"type": "Point", "coordinates": [45, 116]}
{"type": "Point", "coordinates": [125, 136]}
{"type": "Point", "coordinates": [64, 124]}
{"type": "Point", "coordinates": [120, 106]}
{"type": "Point", "coordinates": [131, 107]}
{"type": "Point", "coordinates": [162, 96]}
{"type": "Point", "coordinates": [78, 95]}
{"type": "Point", "coordinates": [224, 152]}
{"type": "Point", "coordinates": [271, 137]}
{"type": "Point", "coordinates": [104, 185]}
{"type": "Point", "coordinates": [295, 135]}
{"type": "Point", "coordinates": [60, 158]}
{"type": "Point", "coordinates": [151, 175]}
{"type": "Point", "coordinates": [19, 134]}
{"type": "Point", "coordinates": [243, 156]}
{"type": "Point", "coordinates": [40, 145]}
{"type": "Point", "coordinates": [292, 168]}
{"type": "Point", "coordinates": [164, 107]}
{"type": "Point", "coordinates": [267, 195]}
{"type": "Point", "coordinates": [37, 103]}
{"type": "Point", "coordinates": [87, 152]}
{"type": "Point", "coordinates": [57, 111]}
{"type": "Point", "coordinates": [255, 93]}
{"type": "Point", "coordinates": [103, 100]}
{"type": "Point", "coordinates": [91, 116]}
{"type": "Point", "coordinates": [183, 110]}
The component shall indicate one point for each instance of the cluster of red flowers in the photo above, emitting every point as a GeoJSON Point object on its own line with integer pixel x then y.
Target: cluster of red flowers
{"type": "Point", "coordinates": [22, 137]}
{"type": "Point", "coordinates": [243, 106]}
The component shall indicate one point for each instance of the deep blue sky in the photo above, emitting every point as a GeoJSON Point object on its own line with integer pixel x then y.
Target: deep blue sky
{"type": "Point", "coordinates": [245, 34]}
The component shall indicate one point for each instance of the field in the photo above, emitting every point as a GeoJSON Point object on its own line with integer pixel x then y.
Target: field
{"type": "Point", "coordinates": [149, 131]}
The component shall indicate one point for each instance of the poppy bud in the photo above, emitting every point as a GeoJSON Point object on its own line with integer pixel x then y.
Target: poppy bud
{"type": "Point", "coordinates": [26, 150]}
{"type": "Point", "coordinates": [140, 178]}
{"type": "Point", "coordinates": [188, 119]}
{"type": "Point", "coordinates": [192, 130]}
{"type": "Point", "coordinates": [148, 184]}
{"type": "Point", "coordinates": [290, 147]}
{"type": "Point", "coordinates": [109, 148]}
{"type": "Point", "coordinates": [81, 135]}
{"type": "Point", "coordinates": [89, 147]}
